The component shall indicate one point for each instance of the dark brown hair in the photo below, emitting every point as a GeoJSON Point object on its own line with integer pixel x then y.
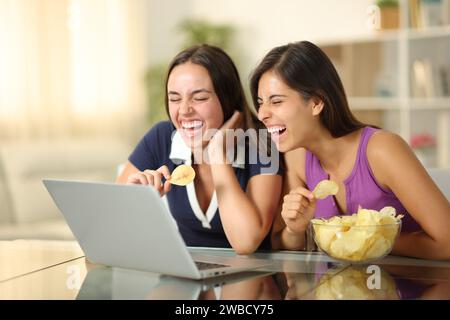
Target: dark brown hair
{"type": "Point", "coordinates": [306, 68]}
{"type": "Point", "coordinates": [224, 76]}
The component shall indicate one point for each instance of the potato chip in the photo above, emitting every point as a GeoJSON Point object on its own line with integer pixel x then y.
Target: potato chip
{"type": "Point", "coordinates": [378, 248]}
{"type": "Point", "coordinates": [326, 235]}
{"type": "Point", "coordinates": [325, 188]}
{"type": "Point", "coordinates": [182, 175]}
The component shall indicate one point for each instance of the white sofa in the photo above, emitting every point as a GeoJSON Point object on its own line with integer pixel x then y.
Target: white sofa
{"type": "Point", "coordinates": [442, 178]}
{"type": "Point", "coordinates": [26, 209]}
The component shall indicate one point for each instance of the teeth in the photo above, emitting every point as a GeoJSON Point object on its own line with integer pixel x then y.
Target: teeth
{"type": "Point", "coordinates": [192, 124]}
{"type": "Point", "coordinates": [275, 129]}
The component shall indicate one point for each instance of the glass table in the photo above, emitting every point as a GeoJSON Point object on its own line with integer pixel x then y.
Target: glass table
{"type": "Point", "coordinates": [58, 270]}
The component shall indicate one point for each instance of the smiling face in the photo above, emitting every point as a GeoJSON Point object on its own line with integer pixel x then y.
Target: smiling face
{"type": "Point", "coordinates": [193, 104]}
{"type": "Point", "coordinates": [287, 115]}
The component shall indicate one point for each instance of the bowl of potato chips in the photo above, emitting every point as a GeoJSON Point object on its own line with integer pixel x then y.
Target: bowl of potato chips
{"type": "Point", "coordinates": [365, 236]}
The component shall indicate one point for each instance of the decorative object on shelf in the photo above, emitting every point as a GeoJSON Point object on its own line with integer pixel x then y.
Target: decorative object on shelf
{"type": "Point", "coordinates": [386, 85]}
{"type": "Point", "coordinates": [431, 11]}
{"type": "Point", "coordinates": [428, 13]}
{"type": "Point", "coordinates": [414, 14]}
{"type": "Point", "coordinates": [445, 12]}
{"type": "Point", "coordinates": [389, 14]}
{"type": "Point", "coordinates": [424, 146]}
{"type": "Point", "coordinates": [444, 80]}
{"type": "Point", "coordinates": [422, 81]}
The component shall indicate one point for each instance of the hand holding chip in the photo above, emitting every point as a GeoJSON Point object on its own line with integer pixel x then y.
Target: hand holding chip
{"type": "Point", "coordinates": [298, 209]}
{"type": "Point", "coordinates": [300, 204]}
{"type": "Point", "coordinates": [182, 175]}
{"type": "Point", "coordinates": [153, 178]}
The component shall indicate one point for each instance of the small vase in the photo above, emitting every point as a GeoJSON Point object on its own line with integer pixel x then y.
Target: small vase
{"type": "Point", "coordinates": [389, 18]}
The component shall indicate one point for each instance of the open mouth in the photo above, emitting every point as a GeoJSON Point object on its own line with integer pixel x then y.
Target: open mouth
{"type": "Point", "coordinates": [192, 128]}
{"type": "Point", "coordinates": [276, 131]}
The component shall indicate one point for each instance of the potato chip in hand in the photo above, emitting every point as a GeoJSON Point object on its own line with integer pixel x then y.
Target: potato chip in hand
{"type": "Point", "coordinates": [325, 188]}
{"type": "Point", "coordinates": [182, 175]}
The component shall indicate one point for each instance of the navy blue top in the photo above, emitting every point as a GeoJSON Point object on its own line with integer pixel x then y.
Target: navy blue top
{"type": "Point", "coordinates": [154, 150]}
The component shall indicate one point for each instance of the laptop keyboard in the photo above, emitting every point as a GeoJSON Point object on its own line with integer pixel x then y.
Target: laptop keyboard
{"type": "Point", "coordinates": [207, 265]}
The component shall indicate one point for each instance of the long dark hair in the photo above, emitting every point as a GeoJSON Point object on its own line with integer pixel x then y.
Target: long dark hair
{"type": "Point", "coordinates": [224, 76]}
{"type": "Point", "coordinates": [306, 68]}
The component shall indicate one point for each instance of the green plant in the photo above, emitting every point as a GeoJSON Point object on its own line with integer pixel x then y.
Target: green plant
{"type": "Point", "coordinates": [201, 31]}
{"type": "Point", "coordinates": [194, 32]}
{"type": "Point", "coordinates": [387, 3]}
{"type": "Point", "coordinates": [155, 86]}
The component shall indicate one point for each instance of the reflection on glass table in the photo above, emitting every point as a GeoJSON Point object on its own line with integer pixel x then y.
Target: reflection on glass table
{"type": "Point", "coordinates": [288, 275]}
{"type": "Point", "coordinates": [387, 282]}
{"type": "Point", "coordinates": [325, 281]}
{"type": "Point", "coordinates": [116, 283]}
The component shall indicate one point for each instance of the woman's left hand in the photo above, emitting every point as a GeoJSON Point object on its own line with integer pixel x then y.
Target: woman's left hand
{"type": "Point", "coordinates": [217, 146]}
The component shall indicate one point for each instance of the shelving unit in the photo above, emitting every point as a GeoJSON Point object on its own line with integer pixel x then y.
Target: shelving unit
{"type": "Point", "coordinates": [379, 71]}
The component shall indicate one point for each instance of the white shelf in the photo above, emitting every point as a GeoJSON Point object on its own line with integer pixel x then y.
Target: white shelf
{"type": "Point", "coordinates": [375, 36]}
{"type": "Point", "coordinates": [390, 35]}
{"type": "Point", "coordinates": [374, 103]}
{"type": "Point", "coordinates": [429, 32]}
{"type": "Point", "coordinates": [380, 103]}
{"type": "Point", "coordinates": [386, 56]}
{"type": "Point", "coordinates": [430, 103]}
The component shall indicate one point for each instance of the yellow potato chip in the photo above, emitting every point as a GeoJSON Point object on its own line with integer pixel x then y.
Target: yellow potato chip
{"type": "Point", "coordinates": [325, 188]}
{"type": "Point", "coordinates": [182, 175]}
{"type": "Point", "coordinates": [378, 248]}
{"type": "Point", "coordinates": [348, 221]}
{"type": "Point", "coordinates": [325, 235]}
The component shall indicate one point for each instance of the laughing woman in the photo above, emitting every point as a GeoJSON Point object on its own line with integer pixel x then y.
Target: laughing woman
{"type": "Point", "coordinates": [230, 203]}
{"type": "Point", "coordinates": [301, 100]}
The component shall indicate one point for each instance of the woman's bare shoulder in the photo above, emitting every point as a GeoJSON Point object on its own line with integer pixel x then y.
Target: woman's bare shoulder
{"type": "Point", "coordinates": [295, 163]}
{"type": "Point", "coordinates": [385, 145]}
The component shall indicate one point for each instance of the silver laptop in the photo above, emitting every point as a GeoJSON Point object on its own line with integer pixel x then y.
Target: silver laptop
{"type": "Point", "coordinates": [129, 226]}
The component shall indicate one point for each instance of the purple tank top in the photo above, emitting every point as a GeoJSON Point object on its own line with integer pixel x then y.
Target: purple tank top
{"type": "Point", "coordinates": [361, 188]}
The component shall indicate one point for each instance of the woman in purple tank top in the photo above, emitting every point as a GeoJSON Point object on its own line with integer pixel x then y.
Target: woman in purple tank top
{"type": "Point", "coordinates": [301, 100]}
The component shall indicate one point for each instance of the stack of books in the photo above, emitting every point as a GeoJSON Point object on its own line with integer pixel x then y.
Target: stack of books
{"type": "Point", "coordinates": [429, 13]}
{"type": "Point", "coordinates": [430, 80]}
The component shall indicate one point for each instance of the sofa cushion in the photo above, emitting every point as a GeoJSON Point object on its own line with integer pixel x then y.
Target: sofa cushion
{"type": "Point", "coordinates": [46, 230]}
{"type": "Point", "coordinates": [25, 165]}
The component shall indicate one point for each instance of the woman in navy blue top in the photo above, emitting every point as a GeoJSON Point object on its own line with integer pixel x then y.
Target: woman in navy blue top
{"type": "Point", "coordinates": [232, 201]}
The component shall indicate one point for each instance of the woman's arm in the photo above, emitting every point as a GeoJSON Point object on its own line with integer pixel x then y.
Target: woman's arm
{"type": "Point", "coordinates": [294, 177]}
{"type": "Point", "coordinates": [396, 167]}
{"type": "Point", "coordinates": [246, 216]}
{"type": "Point", "coordinates": [128, 170]}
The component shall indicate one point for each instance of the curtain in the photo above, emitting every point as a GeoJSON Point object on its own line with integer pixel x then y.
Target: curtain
{"type": "Point", "coordinates": [71, 68]}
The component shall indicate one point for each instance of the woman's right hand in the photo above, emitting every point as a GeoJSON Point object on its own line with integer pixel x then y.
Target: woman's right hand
{"type": "Point", "coordinates": [152, 178]}
{"type": "Point", "coordinates": [298, 209]}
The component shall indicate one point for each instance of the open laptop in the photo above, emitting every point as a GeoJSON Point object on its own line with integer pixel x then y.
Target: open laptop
{"type": "Point", "coordinates": [129, 226]}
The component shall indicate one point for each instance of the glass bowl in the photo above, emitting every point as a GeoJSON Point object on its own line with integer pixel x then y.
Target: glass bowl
{"type": "Point", "coordinates": [355, 244]}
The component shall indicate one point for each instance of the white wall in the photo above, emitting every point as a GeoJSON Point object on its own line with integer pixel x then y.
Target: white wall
{"type": "Point", "coordinates": [260, 24]}
{"type": "Point", "coordinates": [263, 24]}
{"type": "Point", "coordinates": [162, 17]}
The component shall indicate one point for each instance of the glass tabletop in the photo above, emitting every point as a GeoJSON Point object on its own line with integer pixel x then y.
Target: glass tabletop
{"type": "Point", "coordinates": [289, 276]}
{"type": "Point", "coordinates": [20, 257]}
